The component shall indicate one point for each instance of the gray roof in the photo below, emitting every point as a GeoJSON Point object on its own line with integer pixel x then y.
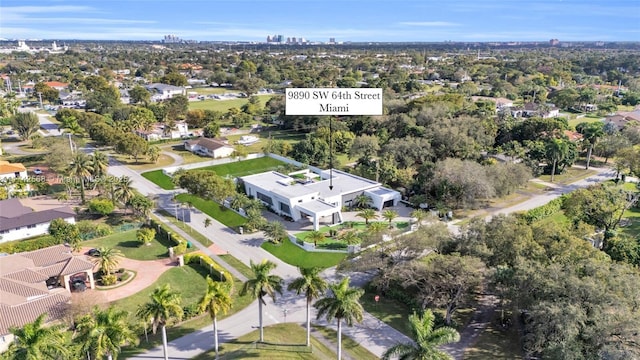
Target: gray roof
{"type": "Point", "coordinates": [14, 215]}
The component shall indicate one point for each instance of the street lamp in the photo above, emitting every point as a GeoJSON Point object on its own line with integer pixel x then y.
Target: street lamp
{"type": "Point", "coordinates": [284, 312]}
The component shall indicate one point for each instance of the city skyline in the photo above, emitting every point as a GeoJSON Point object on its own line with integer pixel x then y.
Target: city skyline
{"type": "Point", "coordinates": [318, 21]}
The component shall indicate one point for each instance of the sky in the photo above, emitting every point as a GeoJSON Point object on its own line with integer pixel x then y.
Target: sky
{"type": "Point", "coordinates": [319, 20]}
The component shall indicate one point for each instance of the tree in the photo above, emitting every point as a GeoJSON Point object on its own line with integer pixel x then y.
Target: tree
{"type": "Point", "coordinates": [153, 152]}
{"type": "Point", "coordinates": [427, 340]}
{"type": "Point", "coordinates": [174, 78]}
{"type": "Point", "coordinates": [103, 100]}
{"type": "Point", "coordinates": [25, 124]}
{"type": "Point", "coordinates": [47, 92]}
{"type": "Point", "coordinates": [103, 207]}
{"type": "Point", "coordinates": [367, 214]}
{"type": "Point", "coordinates": [556, 151]}
{"type": "Point", "coordinates": [250, 85]}
{"type": "Point", "coordinates": [132, 145]}
{"type": "Point", "coordinates": [211, 130]}
{"type": "Point", "coordinates": [81, 169]}
{"type": "Point", "coordinates": [262, 283]}
{"type": "Point", "coordinates": [141, 205]}
{"type": "Point", "coordinates": [139, 95]}
{"type": "Point", "coordinates": [123, 190]}
{"type": "Point", "coordinates": [206, 222]}
{"type": "Point", "coordinates": [36, 341]}
{"type": "Point", "coordinates": [445, 280]}
{"type": "Point", "coordinates": [108, 260]}
{"type": "Point", "coordinates": [341, 304]}
{"type": "Point", "coordinates": [163, 308]}
{"type": "Point", "coordinates": [389, 215]}
{"type": "Point", "coordinates": [217, 299]}
{"type": "Point", "coordinates": [364, 146]}
{"type": "Point", "coordinates": [145, 235]}
{"type": "Point", "coordinates": [99, 164]}
{"type": "Point", "coordinates": [103, 332]}
{"type": "Point", "coordinates": [205, 184]}
{"type": "Point", "coordinates": [275, 232]}
{"type": "Point", "coordinates": [65, 232]}
{"type": "Point", "coordinates": [600, 205]}
{"type": "Point", "coordinates": [362, 201]}
{"type": "Point", "coordinates": [177, 107]}
{"type": "Point", "coordinates": [315, 236]}
{"type": "Point", "coordinates": [312, 285]}
{"type": "Point", "coordinates": [419, 215]}
{"type": "Point", "coordinates": [591, 133]}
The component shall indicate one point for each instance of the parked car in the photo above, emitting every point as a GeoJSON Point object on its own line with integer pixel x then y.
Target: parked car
{"type": "Point", "coordinates": [78, 285]}
{"type": "Point", "coordinates": [94, 252]}
{"type": "Point", "coordinates": [37, 172]}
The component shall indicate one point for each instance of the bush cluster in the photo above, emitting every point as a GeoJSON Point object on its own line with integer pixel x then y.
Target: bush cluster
{"type": "Point", "coordinates": [543, 212]}
{"type": "Point", "coordinates": [200, 259]}
{"type": "Point", "coordinates": [28, 245]}
{"type": "Point", "coordinates": [180, 244]}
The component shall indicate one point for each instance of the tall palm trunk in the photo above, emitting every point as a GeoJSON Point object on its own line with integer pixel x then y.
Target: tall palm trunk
{"type": "Point", "coordinates": [553, 170]}
{"type": "Point", "coordinates": [339, 339]}
{"type": "Point", "coordinates": [308, 321]}
{"type": "Point", "coordinates": [589, 155]}
{"type": "Point", "coordinates": [82, 190]}
{"type": "Point", "coordinates": [215, 334]}
{"type": "Point", "coordinates": [165, 346]}
{"type": "Point", "coordinates": [260, 318]}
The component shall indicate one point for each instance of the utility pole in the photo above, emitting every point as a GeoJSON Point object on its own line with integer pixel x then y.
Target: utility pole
{"type": "Point", "coordinates": [70, 142]}
{"type": "Point", "coordinates": [40, 96]}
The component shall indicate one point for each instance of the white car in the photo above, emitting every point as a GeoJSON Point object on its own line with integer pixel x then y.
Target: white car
{"type": "Point", "coordinates": [37, 172]}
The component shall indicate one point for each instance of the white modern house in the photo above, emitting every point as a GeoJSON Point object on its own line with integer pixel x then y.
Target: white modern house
{"type": "Point", "coordinates": [161, 92]}
{"type": "Point", "coordinates": [19, 222]}
{"type": "Point", "coordinates": [308, 195]}
{"type": "Point", "coordinates": [216, 148]}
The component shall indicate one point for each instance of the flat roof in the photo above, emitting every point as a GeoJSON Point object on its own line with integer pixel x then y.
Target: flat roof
{"type": "Point", "coordinates": [317, 207]}
{"type": "Point", "coordinates": [343, 183]}
{"type": "Point", "coordinates": [278, 183]}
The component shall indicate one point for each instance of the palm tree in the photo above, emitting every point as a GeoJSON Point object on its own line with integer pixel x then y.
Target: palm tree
{"type": "Point", "coordinates": [419, 215]}
{"type": "Point", "coordinates": [108, 260]}
{"type": "Point", "coordinates": [362, 201]}
{"type": "Point", "coordinates": [217, 299]}
{"type": "Point", "coordinates": [367, 214]}
{"type": "Point", "coordinates": [342, 304]}
{"type": "Point", "coordinates": [312, 286]}
{"type": "Point", "coordinates": [427, 340]}
{"type": "Point", "coordinates": [102, 332]}
{"type": "Point", "coordinates": [99, 164]}
{"type": "Point", "coordinates": [123, 190]}
{"type": "Point", "coordinates": [315, 236]}
{"type": "Point", "coordinates": [377, 228]}
{"type": "Point", "coordinates": [162, 309]}
{"type": "Point", "coordinates": [350, 237]}
{"type": "Point", "coordinates": [35, 341]}
{"type": "Point", "coordinates": [81, 168]}
{"type": "Point", "coordinates": [263, 283]}
{"type": "Point", "coordinates": [206, 222]}
{"type": "Point", "coordinates": [389, 215]}
{"type": "Point", "coordinates": [557, 150]}
{"type": "Point", "coordinates": [591, 133]}
{"type": "Point", "coordinates": [274, 231]}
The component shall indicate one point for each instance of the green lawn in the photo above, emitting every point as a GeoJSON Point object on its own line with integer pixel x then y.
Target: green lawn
{"type": "Point", "coordinates": [233, 169]}
{"type": "Point", "coordinates": [569, 176]}
{"type": "Point", "coordinates": [238, 265]}
{"type": "Point", "coordinates": [225, 105]}
{"type": "Point", "coordinates": [282, 341]}
{"type": "Point", "coordinates": [586, 119]}
{"type": "Point", "coordinates": [159, 178]}
{"type": "Point", "coordinates": [287, 136]}
{"type": "Point", "coordinates": [392, 312]}
{"type": "Point", "coordinates": [127, 243]}
{"type": "Point", "coordinates": [190, 282]}
{"type": "Point", "coordinates": [226, 216]}
{"type": "Point", "coordinates": [294, 255]}
{"type": "Point", "coordinates": [349, 346]}
{"type": "Point", "coordinates": [245, 167]}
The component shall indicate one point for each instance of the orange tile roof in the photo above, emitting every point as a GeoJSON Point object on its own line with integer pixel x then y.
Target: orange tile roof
{"type": "Point", "coordinates": [8, 168]}
{"type": "Point", "coordinates": [56, 84]}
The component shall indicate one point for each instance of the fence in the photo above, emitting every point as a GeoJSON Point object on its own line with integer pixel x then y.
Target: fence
{"type": "Point", "coordinates": [114, 230]}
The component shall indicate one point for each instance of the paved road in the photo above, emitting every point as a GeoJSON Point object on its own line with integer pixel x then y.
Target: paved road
{"type": "Point", "coordinates": [46, 124]}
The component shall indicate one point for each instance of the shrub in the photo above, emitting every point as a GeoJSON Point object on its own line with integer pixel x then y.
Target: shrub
{"type": "Point", "coordinates": [86, 226]}
{"type": "Point", "coordinates": [108, 280]}
{"type": "Point", "coordinates": [125, 276]}
{"type": "Point", "coordinates": [191, 310]}
{"type": "Point", "coordinates": [544, 211]}
{"type": "Point", "coordinates": [200, 259]}
{"type": "Point", "coordinates": [181, 248]}
{"type": "Point", "coordinates": [103, 230]}
{"type": "Point", "coordinates": [18, 246]}
{"type": "Point", "coordinates": [103, 207]}
{"type": "Point", "coordinates": [145, 235]}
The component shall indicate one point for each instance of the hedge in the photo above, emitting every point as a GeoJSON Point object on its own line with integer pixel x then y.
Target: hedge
{"type": "Point", "coordinates": [218, 271]}
{"type": "Point", "coordinates": [544, 211]}
{"type": "Point", "coordinates": [17, 246]}
{"type": "Point", "coordinates": [180, 244]}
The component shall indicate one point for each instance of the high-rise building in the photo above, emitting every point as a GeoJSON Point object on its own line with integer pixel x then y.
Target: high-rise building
{"type": "Point", "coordinates": [293, 40]}
{"type": "Point", "coordinates": [332, 40]}
{"type": "Point", "coordinates": [279, 38]}
{"type": "Point", "coordinates": [269, 39]}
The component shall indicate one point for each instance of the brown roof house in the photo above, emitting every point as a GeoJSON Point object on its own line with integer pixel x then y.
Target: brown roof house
{"type": "Point", "coordinates": [38, 282]}
{"type": "Point", "coordinates": [216, 148]}
{"type": "Point", "coordinates": [19, 222]}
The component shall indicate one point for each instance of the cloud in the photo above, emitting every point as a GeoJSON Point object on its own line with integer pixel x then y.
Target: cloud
{"type": "Point", "coordinates": [428, 23]}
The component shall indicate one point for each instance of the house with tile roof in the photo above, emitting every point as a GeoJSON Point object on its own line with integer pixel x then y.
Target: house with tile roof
{"type": "Point", "coordinates": [38, 282]}
{"type": "Point", "coordinates": [9, 172]}
{"type": "Point", "coordinates": [19, 222]}
{"type": "Point", "coordinates": [216, 148]}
